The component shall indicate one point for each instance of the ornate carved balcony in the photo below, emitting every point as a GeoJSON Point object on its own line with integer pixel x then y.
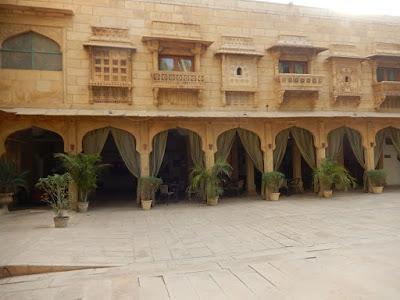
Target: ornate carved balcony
{"type": "Point", "coordinates": [189, 81]}
{"type": "Point", "coordinates": [385, 89]}
{"type": "Point", "coordinates": [299, 83]}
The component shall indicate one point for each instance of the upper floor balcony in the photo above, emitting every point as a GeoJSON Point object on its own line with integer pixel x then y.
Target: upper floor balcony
{"type": "Point", "coordinates": [385, 89]}
{"type": "Point", "coordinates": [178, 80]}
{"type": "Point", "coordinates": [289, 82]}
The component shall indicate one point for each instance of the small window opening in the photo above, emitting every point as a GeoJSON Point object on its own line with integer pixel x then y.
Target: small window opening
{"type": "Point", "coordinates": [347, 79]}
{"type": "Point", "coordinates": [239, 71]}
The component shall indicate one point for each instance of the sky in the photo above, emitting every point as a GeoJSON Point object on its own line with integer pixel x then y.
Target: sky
{"type": "Point", "coordinates": [355, 7]}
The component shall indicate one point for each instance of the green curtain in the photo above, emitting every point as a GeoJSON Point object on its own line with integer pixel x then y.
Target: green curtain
{"type": "Point", "coordinates": [126, 145]}
{"type": "Point", "coordinates": [379, 142]}
{"type": "Point", "coordinates": [196, 151]}
{"type": "Point", "coordinates": [356, 145]}
{"type": "Point", "coordinates": [93, 142]}
{"type": "Point", "coordinates": [157, 155]}
{"type": "Point", "coordinates": [335, 143]}
{"type": "Point", "coordinates": [252, 145]}
{"type": "Point", "coordinates": [395, 136]}
{"type": "Point", "coordinates": [305, 142]}
{"type": "Point", "coordinates": [281, 142]}
{"type": "Point", "coordinates": [224, 144]}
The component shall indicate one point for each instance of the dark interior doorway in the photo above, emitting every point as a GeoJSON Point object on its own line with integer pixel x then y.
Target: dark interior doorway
{"type": "Point", "coordinates": [116, 185]}
{"type": "Point", "coordinates": [351, 163]}
{"type": "Point", "coordinates": [33, 150]}
{"type": "Point", "coordinates": [176, 167]}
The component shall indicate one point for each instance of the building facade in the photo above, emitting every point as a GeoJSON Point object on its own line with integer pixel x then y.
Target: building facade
{"type": "Point", "coordinates": [279, 76]}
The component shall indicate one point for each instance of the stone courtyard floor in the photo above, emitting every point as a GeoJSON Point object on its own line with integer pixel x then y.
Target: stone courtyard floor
{"type": "Point", "coordinates": [300, 247]}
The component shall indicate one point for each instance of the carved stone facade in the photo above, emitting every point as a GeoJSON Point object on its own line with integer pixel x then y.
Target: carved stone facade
{"type": "Point", "coordinates": [236, 48]}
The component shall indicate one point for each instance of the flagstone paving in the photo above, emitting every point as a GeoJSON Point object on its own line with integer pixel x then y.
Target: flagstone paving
{"type": "Point", "coordinates": [301, 247]}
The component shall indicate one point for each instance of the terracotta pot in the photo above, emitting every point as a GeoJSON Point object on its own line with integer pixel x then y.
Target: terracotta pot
{"type": "Point", "coordinates": [327, 194]}
{"type": "Point", "coordinates": [146, 204]}
{"type": "Point", "coordinates": [212, 201]}
{"type": "Point", "coordinates": [60, 222]}
{"type": "Point", "coordinates": [83, 207]}
{"type": "Point", "coordinates": [5, 200]}
{"type": "Point", "coordinates": [274, 196]}
{"type": "Point", "coordinates": [377, 189]}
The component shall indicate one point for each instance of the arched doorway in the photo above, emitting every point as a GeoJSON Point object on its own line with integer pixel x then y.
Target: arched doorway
{"type": "Point", "coordinates": [294, 156]}
{"type": "Point", "coordinates": [175, 153]}
{"type": "Point", "coordinates": [241, 148]}
{"type": "Point", "coordinates": [33, 150]}
{"type": "Point", "coordinates": [345, 147]}
{"type": "Point", "coordinates": [117, 184]}
{"type": "Point", "coordinates": [387, 154]}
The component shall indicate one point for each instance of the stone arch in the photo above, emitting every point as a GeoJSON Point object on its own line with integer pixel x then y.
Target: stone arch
{"type": "Point", "coordinates": [89, 127]}
{"type": "Point", "coordinates": [34, 31]}
{"type": "Point", "coordinates": [310, 128]}
{"type": "Point", "coordinates": [166, 127]}
{"type": "Point", "coordinates": [6, 131]}
{"type": "Point", "coordinates": [358, 127]}
{"type": "Point", "coordinates": [256, 128]}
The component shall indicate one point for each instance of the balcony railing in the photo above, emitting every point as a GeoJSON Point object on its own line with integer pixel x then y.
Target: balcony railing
{"type": "Point", "coordinates": [178, 80]}
{"type": "Point", "coordinates": [300, 82]}
{"type": "Point", "coordinates": [385, 89]}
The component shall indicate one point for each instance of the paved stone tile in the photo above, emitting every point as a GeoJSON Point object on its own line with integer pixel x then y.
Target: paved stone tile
{"type": "Point", "coordinates": [297, 248]}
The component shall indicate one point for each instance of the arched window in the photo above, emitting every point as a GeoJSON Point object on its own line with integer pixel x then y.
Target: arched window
{"type": "Point", "coordinates": [239, 71]}
{"type": "Point", "coordinates": [31, 51]}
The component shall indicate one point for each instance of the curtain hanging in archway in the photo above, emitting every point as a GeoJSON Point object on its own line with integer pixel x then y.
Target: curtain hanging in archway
{"type": "Point", "coordinates": [335, 143]}
{"type": "Point", "coordinates": [356, 145]}
{"type": "Point", "coordinates": [395, 136]}
{"type": "Point", "coordinates": [225, 143]}
{"type": "Point", "coordinates": [305, 142]}
{"type": "Point", "coordinates": [196, 151]}
{"type": "Point", "coordinates": [126, 145]}
{"type": "Point", "coordinates": [280, 148]}
{"type": "Point", "coordinates": [379, 142]}
{"type": "Point", "coordinates": [157, 155]}
{"type": "Point", "coordinates": [93, 142]}
{"type": "Point", "coordinates": [251, 144]}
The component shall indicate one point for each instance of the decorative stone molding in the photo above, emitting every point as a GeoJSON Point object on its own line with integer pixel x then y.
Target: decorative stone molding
{"type": "Point", "coordinates": [239, 60]}
{"type": "Point", "coordinates": [346, 72]}
{"type": "Point", "coordinates": [298, 83]}
{"type": "Point", "coordinates": [295, 43]}
{"type": "Point", "coordinates": [110, 65]}
{"type": "Point", "coordinates": [385, 89]}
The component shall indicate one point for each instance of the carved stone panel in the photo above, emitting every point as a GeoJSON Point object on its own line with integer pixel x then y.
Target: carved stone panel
{"type": "Point", "coordinates": [346, 78]}
{"type": "Point", "coordinates": [240, 73]}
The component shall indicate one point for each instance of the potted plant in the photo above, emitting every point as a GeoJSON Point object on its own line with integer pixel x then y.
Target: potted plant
{"type": "Point", "coordinates": [55, 188]}
{"type": "Point", "coordinates": [330, 173]}
{"type": "Point", "coordinates": [148, 186]}
{"type": "Point", "coordinates": [84, 170]}
{"type": "Point", "coordinates": [10, 180]}
{"type": "Point", "coordinates": [211, 179]}
{"type": "Point", "coordinates": [273, 181]}
{"type": "Point", "coordinates": [377, 179]}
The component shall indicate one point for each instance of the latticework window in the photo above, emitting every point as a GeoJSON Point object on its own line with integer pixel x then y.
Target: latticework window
{"type": "Point", "coordinates": [31, 51]}
{"type": "Point", "coordinates": [111, 75]}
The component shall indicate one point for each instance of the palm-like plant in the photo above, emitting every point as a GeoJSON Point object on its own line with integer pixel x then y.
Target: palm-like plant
{"type": "Point", "coordinates": [273, 181]}
{"type": "Point", "coordinates": [331, 173]}
{"type": "Point", "coordinates": [84, 170]}
{"type": "Point", "coordinates": [211, 179]}
{"type": "Point", "coordinates": [10, 178]}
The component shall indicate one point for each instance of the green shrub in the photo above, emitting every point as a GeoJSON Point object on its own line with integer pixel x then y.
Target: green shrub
{"type": "Point", "coordinates": [211, 179]}
{"type": "Point", "coordinates": [55, 188]}
{"type": "Point", "coordinates": [10, 178]}
{"type": "Point", "coordinates": [273, 181]}
{"type": "Point", "coordinates": [331, 173]}
{"type": "Point", "coordinates": [149, 185]}
{"type": "Point", "coordinates": [377, 177]}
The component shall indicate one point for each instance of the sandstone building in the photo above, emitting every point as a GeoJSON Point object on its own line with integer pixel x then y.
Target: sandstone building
{"type": "Point", "coordinates": [268, 86]}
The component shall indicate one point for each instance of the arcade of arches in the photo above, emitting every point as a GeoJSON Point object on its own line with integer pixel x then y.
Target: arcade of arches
{"type": "Point", "coordinates": [251, 150]}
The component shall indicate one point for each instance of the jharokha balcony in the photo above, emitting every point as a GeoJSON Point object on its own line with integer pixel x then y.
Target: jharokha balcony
{"type": "Point", "coordinates": [299, 83]}
{"type": "Point", "coordinates": [175, 80]}
{"type": "Point", "coordinates": [385, 89]}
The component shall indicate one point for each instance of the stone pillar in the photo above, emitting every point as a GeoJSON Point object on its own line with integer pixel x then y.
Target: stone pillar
{"type": "Point", "coordinates": [251, 187]}
{"type": "Point", "coordinates": [296, 156]}
{"type": "Point", "coordinates": [321, 154]}
{"type": "Point", "coordinates": [209, 159]}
